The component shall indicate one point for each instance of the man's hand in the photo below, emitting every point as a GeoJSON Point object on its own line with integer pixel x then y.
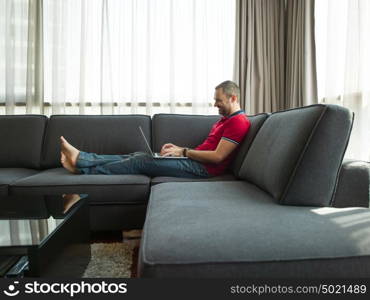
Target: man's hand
{"type": "Point", "coordinates": [223, 150]}
{"type": "Point", "coordinates": [166, 146]}
{"type": "Point", "coordinates": [171, 150]}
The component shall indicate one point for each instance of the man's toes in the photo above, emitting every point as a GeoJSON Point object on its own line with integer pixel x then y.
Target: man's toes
{"type": "Point", "coordinates": [64, 143]}
{"type": "Point", "coordinates": [67, 148]}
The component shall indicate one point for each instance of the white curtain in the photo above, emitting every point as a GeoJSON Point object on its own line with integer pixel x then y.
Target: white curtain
{"type": "Point", "coordinates": [21, 62]}
{"type": "Point", "coordinates": [343, 64]}
{"type": "Point", "coordinates": [136, 56]}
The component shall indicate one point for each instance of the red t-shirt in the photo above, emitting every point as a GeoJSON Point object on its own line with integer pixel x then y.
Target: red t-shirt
{"type": "Point", "coordinates": [233, 129]}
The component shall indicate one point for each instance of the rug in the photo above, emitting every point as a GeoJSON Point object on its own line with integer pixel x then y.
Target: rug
{"type": "Point", "coordinates": [114, 258]}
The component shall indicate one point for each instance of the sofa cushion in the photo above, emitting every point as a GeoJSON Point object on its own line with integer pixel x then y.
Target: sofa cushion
{"type": "Point", "coordinates": [23, 135]}
{"type": "Point", "coordinates": [117, 217]}
{"type": "Point", "coordinates": [353, 185]}
{"type": "Point", "coordinates": [297, 154]}
{"type": "Point", "coordinates": [118, 134]}
{"type": "Point", "coordinates": [10, 175]}
{"type": "Point", "coordinates": [234, 229]}
{"type": "Point", "coordinates": [107, 189]}
{"type": "Point", "coordinates": [163, 179]}
{"type": "Point", "coordinates": [256, 123]}
{"type": "Point", "coordinates": [182, 130]}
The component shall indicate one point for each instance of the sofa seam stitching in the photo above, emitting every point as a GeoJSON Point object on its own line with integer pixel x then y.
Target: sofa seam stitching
{"type": "Point", "coordinates": [163, 263]}
{"type": "Point", "coordinates": [85, 185]}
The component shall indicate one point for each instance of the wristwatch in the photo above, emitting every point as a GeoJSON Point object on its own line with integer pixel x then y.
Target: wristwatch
{"type": "Point", "coordinates": [184, 151]}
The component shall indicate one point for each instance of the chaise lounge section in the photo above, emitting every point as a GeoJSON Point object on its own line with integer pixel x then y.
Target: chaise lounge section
{"type": "Point", "coordinates": [277, 221]}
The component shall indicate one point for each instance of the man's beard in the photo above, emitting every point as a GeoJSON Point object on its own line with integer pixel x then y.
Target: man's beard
{"type": "Point", "coordinates": [222, 112]}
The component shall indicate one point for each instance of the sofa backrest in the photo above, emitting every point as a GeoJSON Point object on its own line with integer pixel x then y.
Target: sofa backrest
{"type": "Point", "coordinates": [182, 130]}
{"type": "Point", "coordinates": [21, 137]}
{"type": "Point", "coordinates": [297, 154]}
{"type": "Point", "coordinates": [256, 123]}
{"type": "Point", "coordinates": [191, 130]}
{"type": "Point", "coordinates": [117, 134]}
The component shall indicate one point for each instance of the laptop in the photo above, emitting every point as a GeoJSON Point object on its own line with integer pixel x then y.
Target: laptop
{"type": "Point", "coordinates": [157, 155]}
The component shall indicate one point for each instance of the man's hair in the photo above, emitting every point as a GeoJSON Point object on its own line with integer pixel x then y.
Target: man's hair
{"type": "Point", "coordinates": [229, 88]}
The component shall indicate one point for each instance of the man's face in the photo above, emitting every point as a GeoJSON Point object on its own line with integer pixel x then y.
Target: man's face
{"type": "Point", "coordinates": [222, 102]}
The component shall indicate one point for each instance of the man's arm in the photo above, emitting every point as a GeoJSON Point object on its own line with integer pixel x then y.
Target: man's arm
{"type": "Point", "coordinates": [223, 150]}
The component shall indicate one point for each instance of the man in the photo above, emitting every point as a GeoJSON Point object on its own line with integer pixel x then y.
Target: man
{"type": "Point", "coordinates": [211, 158]}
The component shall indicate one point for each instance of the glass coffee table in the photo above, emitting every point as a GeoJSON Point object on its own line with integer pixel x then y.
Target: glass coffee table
{"type": "Point", "coordinates": [44, 236]}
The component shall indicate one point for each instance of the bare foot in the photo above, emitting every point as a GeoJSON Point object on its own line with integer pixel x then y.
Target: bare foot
{"type": "Point", "coordinates": [66, 163]}
{"type": "Point", "coordinates": [68, 155]}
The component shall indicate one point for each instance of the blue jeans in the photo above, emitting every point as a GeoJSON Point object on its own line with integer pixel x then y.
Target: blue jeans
{"type": "Point", "coordinates": [139, 163]}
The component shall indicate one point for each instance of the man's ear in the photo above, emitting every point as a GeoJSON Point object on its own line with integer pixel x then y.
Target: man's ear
{"type": "Point", "coordinates": [234, 98]}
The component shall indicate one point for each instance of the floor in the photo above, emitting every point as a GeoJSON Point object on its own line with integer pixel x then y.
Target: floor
{"type": "Point", "coordinates": [130, 237]}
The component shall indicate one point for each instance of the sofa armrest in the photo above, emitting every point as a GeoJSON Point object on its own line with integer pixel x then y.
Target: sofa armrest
{"type": "Point", "coordinates": [353, 187]}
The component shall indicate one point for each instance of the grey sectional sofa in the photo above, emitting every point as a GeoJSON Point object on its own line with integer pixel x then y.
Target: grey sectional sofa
{"type": "Point", "coordinates": [30, 158]}
{"type": "Point", "coordinates": [271, 215]}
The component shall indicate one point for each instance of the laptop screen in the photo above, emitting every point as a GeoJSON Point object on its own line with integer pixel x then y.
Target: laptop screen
{"type": "Point", "coordinates": [146, 141]}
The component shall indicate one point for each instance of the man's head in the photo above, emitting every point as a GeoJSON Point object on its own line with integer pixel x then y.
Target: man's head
{"type": "Point", "coordinates": [226, 97]}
